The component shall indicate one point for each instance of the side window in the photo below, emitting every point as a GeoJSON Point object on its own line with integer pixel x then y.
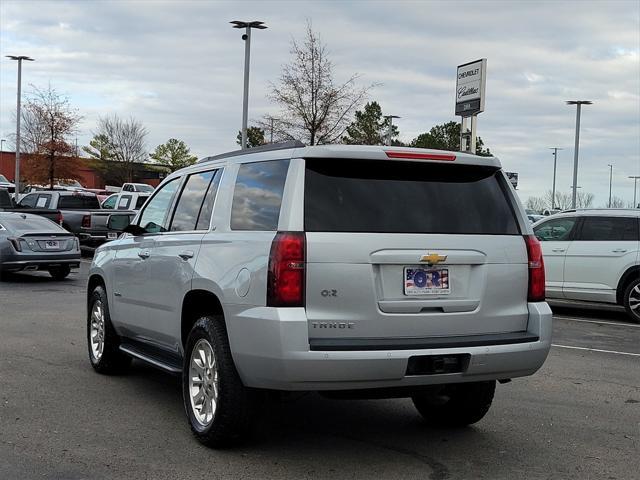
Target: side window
{"type": "Point", "coordinates": [191, 200]}
{"type": "Point", "coordinates": [140, 201]}
{"type": "Point", "coordinates": [609, 228]}
{"type": "Point", "coordinates": [124, 202]}
{"type": "Point", "coordinates": [557, 230]}
{"type": "Point", "coordinates": [204, 219]}
{"type": "Point", "coordinates": [29, 201]}
{"type": "Point", "coordinates": [154, 216]}
{"type": "Point", "coordinates": [258, 194]}
{"type": "Point", "coordinates": [44, 199]}
{"type": "Point", "coordinates": [110, 202]}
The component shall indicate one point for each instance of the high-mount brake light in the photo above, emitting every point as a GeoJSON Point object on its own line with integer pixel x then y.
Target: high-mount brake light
{"type": "Point", "coordinates": [536, 289]}
{"type": "Point", "coordinates": [445, 157]}
{"type": "Point", "coordinates": [285, 279]}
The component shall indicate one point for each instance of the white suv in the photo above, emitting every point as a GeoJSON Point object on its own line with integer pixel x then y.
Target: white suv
{"type": "Point", "coordinates": [351, 270]}
{"type": "Point", "coordinates": [593, 255]}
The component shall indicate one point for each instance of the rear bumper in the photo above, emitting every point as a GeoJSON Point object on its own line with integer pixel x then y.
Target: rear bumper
{"type": "Point", "coordinates": [42, 264]}
{"type": "Point", "coordinates": [271, 350]}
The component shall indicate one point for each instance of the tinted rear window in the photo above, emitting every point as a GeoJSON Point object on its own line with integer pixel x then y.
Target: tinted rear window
{"type": "Point", "coordinates": [30, 223]}
{"type": "Point", "coordinates": [406, 197]}
{"type": "Point", "coordinates": [78, 202]}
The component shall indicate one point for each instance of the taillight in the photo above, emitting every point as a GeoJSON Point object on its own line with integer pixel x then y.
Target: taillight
{"type": "Point", "coordinates": [285, 280]}
{"type": "Point", "coordinates": [86, 221]}
{"type": "Point", "coordinates": [16, 243]}
{"type": "Point", "coordinates": [536, 291]}
{"type": "Point", "coordinates": [59, 218]}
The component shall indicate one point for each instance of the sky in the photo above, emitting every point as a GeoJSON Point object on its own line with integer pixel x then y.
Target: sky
{"type": "Point", "coordinates": [177, 66]}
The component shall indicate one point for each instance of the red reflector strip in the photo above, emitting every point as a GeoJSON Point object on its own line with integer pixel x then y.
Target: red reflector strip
{"type": "Point", "coordinates": [446, 157]}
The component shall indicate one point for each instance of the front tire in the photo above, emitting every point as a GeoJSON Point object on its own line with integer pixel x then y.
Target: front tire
{"type": "Point", "coordinates": [60, 273]}
{"type": "Point", "coordinates": [102, 340]}
{"type": "Point", "coordinates": [217, 404]}
{"type": "Point", "coordinates": [457, 404]}
{"type": "Point", "coordinates": [631, 300]}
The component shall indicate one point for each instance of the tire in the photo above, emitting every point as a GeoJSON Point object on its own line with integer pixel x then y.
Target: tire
{"type": "Point", "coordinates": [60, 273]}
{"type": "Point", "coordinates": [110, 360]}
{"type": "Point", "coordinates": [227, 420]}
{"type": "Point", "coordinates": [631, 300]}
{"type": "Point", "coordinates": [456, 405]}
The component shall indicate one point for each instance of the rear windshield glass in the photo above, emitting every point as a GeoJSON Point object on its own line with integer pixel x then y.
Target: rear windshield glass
{"type": "Point", "coordinates": [406, 197]}
{"type": "Point", "coordinates": [29, 223]}
{"type": "Point", "coordinates": [78, 202]}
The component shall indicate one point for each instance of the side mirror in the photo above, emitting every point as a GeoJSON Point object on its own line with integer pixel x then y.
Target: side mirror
{"type": "Point", "coordinates": [122, 223]}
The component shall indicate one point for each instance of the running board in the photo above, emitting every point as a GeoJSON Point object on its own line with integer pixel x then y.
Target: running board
{"type": "Point", "coordinates": [151, 359]}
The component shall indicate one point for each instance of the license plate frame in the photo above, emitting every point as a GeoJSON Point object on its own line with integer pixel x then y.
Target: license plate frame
{"type": "Point", "coordinates": [52, 244]}
{"type": "Point", "coordinates": [424, 283]}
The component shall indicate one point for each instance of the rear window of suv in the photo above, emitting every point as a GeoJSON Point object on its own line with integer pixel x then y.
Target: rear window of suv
{"type": "Point", "coordinates": [406, 197]}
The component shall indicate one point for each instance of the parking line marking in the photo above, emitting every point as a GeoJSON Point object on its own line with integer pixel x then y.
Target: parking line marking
{"type": "Point", "coordinates": [595, 350]}
{"type": "Point", "coordinates": [600, 322]}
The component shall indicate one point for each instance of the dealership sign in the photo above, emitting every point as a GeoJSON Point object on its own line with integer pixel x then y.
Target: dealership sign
{"type": "Point", "coordinates": [470, 85]}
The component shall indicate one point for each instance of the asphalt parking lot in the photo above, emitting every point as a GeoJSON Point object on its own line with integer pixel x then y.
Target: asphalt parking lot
{"type": "Point", "coordinates": [579, 417]}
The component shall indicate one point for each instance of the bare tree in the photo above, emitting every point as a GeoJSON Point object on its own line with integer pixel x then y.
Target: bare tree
{"type": "Point", "coordinates": [616, 202]}
{"type": "Point", "coordinates": [537, 204]}
{"type": "Point", "coordinates": [126, 144]}
{"type": "Point", "coordinates": [48, 121]}
{"type": "Point", "coordinates": [584, 200]}
{"type": "Point", "coordinates": [314, 108]}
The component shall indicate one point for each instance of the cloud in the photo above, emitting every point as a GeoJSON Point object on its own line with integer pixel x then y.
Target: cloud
{"type": "Point", "coordinates": [177, 67]}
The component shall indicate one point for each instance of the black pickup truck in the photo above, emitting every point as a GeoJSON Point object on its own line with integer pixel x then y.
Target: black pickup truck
{"type": "Point", "coordinates": [7, 205]}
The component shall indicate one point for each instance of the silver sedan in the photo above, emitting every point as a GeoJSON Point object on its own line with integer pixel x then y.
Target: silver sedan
{"type": "Point", "coordinates": [30, 242]}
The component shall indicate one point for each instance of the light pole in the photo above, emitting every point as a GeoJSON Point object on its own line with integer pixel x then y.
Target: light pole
{"type": "Point", "coordinates": [553, 189]}
{"type": "Point", "coordinates": [610, 179]}
{"type": "Point", "coordinates": [16, 182]}
{"type": "Point", "coordinates": [390, 118]}
{"type": "Point", "coordinates": [635, 183]}
{"type": "Point", "coordinates": [579, 103]}
{"type": "Point", "coordinates": [247, 48]}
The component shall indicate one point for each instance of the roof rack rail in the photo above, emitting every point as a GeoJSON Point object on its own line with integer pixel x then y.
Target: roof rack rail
{"type": "Point", "coordinates": [262, 148]}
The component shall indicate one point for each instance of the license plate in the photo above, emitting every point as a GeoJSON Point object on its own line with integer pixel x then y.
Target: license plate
{"type": "Point", "coordinates": [426, 281]}
{"type": "Point", "coordinates": [52, 245]}
{"type": "Point", "coordinates": [112, 235]}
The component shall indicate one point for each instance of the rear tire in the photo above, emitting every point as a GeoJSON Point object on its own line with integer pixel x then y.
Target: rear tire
{"type": "Point", "coordinates": [631, 300]}
{"type": "Point", "coordinates": [102, 340]}
{"type": "Point", "coordinates": [60, 273]}
{"type": "Point", "coordinates": [218, 405]}
{"type": "Point", "coordinates": [457, 404]}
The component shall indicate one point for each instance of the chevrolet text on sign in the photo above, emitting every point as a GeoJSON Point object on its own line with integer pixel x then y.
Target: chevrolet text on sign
{"type": "Point", "coordinates": [470, 86]}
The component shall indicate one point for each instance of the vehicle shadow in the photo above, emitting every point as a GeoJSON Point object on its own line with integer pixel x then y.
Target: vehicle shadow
{"type": "Point", "coordinates": [590, 311]}
{"type": "Point", "coordinates": [33, 277]}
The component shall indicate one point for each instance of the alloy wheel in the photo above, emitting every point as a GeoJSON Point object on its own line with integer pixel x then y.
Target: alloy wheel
{"type": "Point", "coordinates": [97, 330]}
{"type": "Point", "coordinates": [203, 382]}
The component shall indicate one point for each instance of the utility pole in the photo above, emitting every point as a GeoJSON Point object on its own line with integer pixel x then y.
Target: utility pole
{"type": "Point", "coordinates": [16, 182]}
{"type": "Point", "coordinates": [553, 189]}
{"type": "Point", "coordinates": [610, 180]}
{"type": "Point", "coordinates": [390, 118]}
{"type": "Point", "coordinates": [579, 104]}
{"type": "Point", "coordinates": [247, 49]}
{"type": "Point", "coordinates": [635, 183]}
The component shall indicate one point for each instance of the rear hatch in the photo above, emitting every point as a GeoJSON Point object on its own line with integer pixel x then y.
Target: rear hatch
{"type": "Point", "coordinates": [408, 249]}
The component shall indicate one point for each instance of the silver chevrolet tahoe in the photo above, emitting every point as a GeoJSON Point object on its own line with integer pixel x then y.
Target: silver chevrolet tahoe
{"type": "Point", "coordinates": [354, 271]}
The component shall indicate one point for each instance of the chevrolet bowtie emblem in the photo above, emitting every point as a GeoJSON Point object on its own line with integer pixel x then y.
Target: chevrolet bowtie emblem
{"type": "Point", "coordinates": [433, 258]}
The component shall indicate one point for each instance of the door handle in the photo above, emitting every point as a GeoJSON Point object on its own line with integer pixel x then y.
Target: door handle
{"type": "Point", "coordinates": [186, 255]}
{"type": "Point", "coordinates": [144, 254]}
{"type": "Point", "coordinates": [558, 249]}
{"type": "Point", "coordinates": [619, 250]}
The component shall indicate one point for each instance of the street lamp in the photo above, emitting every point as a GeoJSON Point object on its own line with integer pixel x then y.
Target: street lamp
{"type": "Point", "coordinates": [579, 103]}
{"type": "Point", "coordinates": [635, 183]}
{"type": "Point", "coordinates": [610, 178]}
{"type": "Point", "coordinates": [19, 58]}
{"type": "Point", "coordinates": [390, 118]}
{"type": "Point", "coordinates": [553, 190]}
{"type": "Point", "coordinates": [247, 47]}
